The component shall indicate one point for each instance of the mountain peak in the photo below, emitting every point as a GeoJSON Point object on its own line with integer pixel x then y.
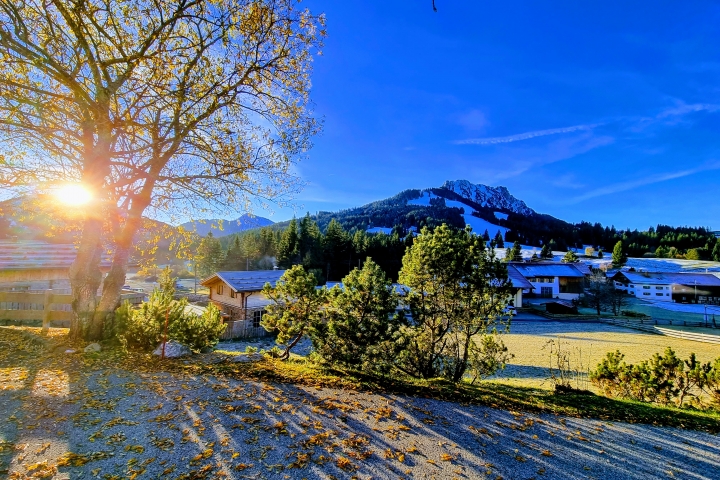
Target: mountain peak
{"type": "Point", "coordinates": [492, 197]}
{"type": "Point", "coordinates": [246, 221]}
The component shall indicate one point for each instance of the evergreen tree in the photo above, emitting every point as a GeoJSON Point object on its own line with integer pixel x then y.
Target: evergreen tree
{"type": "Point", "coordinates": [570, 257]}
{"type": "Point", "coordinates": [499, 242]}
{"type": "Point", "coordinates": [310, 244]}
{"type": "Point", "coordinates": [600, 253]}
{"type": "Point", "coordinates": [336, 254]}
{"type": "Point", "coordinates": [235, 257]}
{"type": "Point", "coordinates": [516, 252]}
{"type": "Point", "coordinates": [210, 256]}
{"type": "Point", "coordinates": [361, 321]}
{"type": "Point", "coordinates": [546, 251]}
{"type": "Point", "coordinates": [458, 291]}
{"type": "Point", "coordinates": [288, 252]}
{"type": "Point", "coordinates": [716, 251]}
{"type": "Point", "coordinates": [486, 236]}
{"type": "Point", "coordinates": [618, 256]}
{"type": "Point", "coordinates": [295, 308]}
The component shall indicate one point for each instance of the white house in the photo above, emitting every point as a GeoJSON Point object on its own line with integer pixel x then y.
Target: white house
{"type": "Point", "coordinates": [553, 279]}
{"type": "Point", "coordinates": [670, 286]}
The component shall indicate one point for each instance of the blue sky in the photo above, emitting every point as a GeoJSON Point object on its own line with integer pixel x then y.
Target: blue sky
{"type": "Point", "coordinates": [608, 112]}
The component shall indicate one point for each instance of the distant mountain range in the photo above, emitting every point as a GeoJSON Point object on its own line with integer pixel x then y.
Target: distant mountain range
{"type": "Point", "coordinates": [456, 202]}
{"type": "Point", "coordinates": [240, 224]}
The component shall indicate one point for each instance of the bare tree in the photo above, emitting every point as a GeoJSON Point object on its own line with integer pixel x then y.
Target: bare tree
{"type": "Point", "coordinates": [183, 106]}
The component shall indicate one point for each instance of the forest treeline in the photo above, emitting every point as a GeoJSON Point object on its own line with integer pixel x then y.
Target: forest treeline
{"type": "Point", "coordinates": [330, 254]}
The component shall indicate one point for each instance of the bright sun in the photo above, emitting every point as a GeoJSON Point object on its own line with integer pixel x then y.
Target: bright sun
{"type": "Point", "coordinates": [74, 195]}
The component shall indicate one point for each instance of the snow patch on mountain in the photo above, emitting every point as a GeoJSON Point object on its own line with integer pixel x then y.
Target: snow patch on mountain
{"type": "Point", "coordinates": [501, 216]}
{"type": "Point", "coordinates": [478, 225]}
{"type": "Point", "coordinates": [492, 197]}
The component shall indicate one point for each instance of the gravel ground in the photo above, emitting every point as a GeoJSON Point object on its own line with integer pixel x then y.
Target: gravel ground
{"type": "Point", "coordinates": [122, 424]}
{"type": "Point", "coordinates": [303, 347]}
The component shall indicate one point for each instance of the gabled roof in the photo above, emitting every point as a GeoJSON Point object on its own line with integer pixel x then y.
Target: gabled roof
{"type": "Point", "coordinates": [41, 255]}
{"type": "Point", "coordinates": [516, 278]}
{"type": "Point", "coordinates": [669, 278]}
{"type": "Point", "coordinates": [551, 269]}
{"type": "Point", "coordinates": [246, 281]}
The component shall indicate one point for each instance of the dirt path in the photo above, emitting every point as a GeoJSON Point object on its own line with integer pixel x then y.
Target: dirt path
{"type": "Point", "coordinates": [64, 420]}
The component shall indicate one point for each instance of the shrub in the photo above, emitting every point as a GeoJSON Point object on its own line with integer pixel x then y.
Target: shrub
{"type": "Point", "coordinates": [631, 313]}
{"type": "Point", "coordinates": [143, 328]}
{"type": "Point", "coordinates": [663, 379]}
{"type": "Point", "coordinates": [198, 331]}
{"type": "Point", "coordinates": [487, 357]}
{"type": "Point", "coordinates": [361, 322]}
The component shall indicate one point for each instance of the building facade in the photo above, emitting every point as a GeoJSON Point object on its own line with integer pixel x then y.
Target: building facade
{"type": "Point", "coordinates": [670, 286]}
{"type": "Point", "coordinates": [238, 295]}
{"type": "Point", "coordinates": [553, 279]}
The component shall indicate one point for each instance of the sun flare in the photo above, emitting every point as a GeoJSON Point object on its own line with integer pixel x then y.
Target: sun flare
{"type": "Point", "coordinates": [74, 195]}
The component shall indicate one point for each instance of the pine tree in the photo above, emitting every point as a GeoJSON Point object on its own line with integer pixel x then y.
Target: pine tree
{"type": "Point", "coordinates": [516, 252]}
{"type": "Point", "coordinates": [486, 236]}
{"type": "Point", "coordinates": [235, 256]}
{"type": "Point", "coordinates": [499, 242]}
{"type": "Point", "coordinates": [288, 252]}
{"type": "Point", "coordinates": [618, 256]}
{"type": "Point", "coordinates": [335, 244]}
{"type": "Point", "coordinates": [310, 244]}
{"type": "Point", "coordinates": [716, 252]}
{"type": "Point", "coordinates": [361, 321]}
{"type": "Point", "coordinates": [570, 257]}
{"type": "Point", "coordinates": [210, 255]}
{"type": "Point", "coordinates": [546, 251]}
{"type": "Point", "coordinates": [458, 291]}
{"type": "Point", "coordinates": [295, 308]}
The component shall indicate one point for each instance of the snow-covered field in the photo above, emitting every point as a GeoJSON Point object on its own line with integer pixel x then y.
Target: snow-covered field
{"type": "Point", "coordinates": [385, 230]}
{"type": "Point", "coordinates": [660, 264]}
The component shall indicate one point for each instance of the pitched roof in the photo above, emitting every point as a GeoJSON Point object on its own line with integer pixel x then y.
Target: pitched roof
{"type": "Point", "coordinates": [40, 255]}
{"type": "Point", "coordinates": [516, 278]}
{"type": "Point", "coordinates": [246, 281]}
{"type": "Point", "coordinates": [541, 269]}
{"type": "Point", "coordinates": [669, 278]}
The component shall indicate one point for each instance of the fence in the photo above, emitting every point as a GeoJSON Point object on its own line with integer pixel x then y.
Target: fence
{"type": "Point", "coordinates": [247, 327]}
{"type": "Point", "coordinates": [51, 307]}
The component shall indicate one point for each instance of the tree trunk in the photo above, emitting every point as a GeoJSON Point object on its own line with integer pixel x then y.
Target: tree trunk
{"type": "Point", "coordinates": [85, 277]}
{"type": "Point", "coordinates": [115, 279]}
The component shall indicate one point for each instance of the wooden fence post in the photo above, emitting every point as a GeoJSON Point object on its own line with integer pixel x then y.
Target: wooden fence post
{"type": "Point", "coordinates": [46, 311]}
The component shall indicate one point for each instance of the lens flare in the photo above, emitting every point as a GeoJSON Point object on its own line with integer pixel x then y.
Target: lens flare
{"type": "Point", "coordinates": [73, 195]}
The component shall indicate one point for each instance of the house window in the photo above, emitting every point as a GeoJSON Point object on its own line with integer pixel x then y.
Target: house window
{"type": "Point", "coordinates": [632, 286]}
{"type": "Point", "coordinates": [659, 294]}
{"type": "Point", "coordinates": [658, 288]}
{"type": "Point", "coordinates": [646, 287]}
{"type": "Point", "coordinates": [646, 293]}
{"type": "Point", "coordinates": [219, 289]}
{"type": "Point", "coordinates": [257, 317]}
{"type": "Point", "coordinates": [546, 292]}
{"type": "Point", "coordinates": [233, 294]}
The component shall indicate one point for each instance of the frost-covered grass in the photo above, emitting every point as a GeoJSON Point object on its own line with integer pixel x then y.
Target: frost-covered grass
{"type": "Point", "coordinates": [587, 344]}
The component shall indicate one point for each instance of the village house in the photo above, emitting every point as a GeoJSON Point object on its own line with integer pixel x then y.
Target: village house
{"type": "Point", "coordinates": [677, 287]}
{"type": "Point", "coordinates": [34, 283]}
{"type": "Point", "coordinates": [520, 284]}
{"type": "Point", "coordinates": [554, 279]}
{"type": "Point", "coordinates": [238, 295]}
